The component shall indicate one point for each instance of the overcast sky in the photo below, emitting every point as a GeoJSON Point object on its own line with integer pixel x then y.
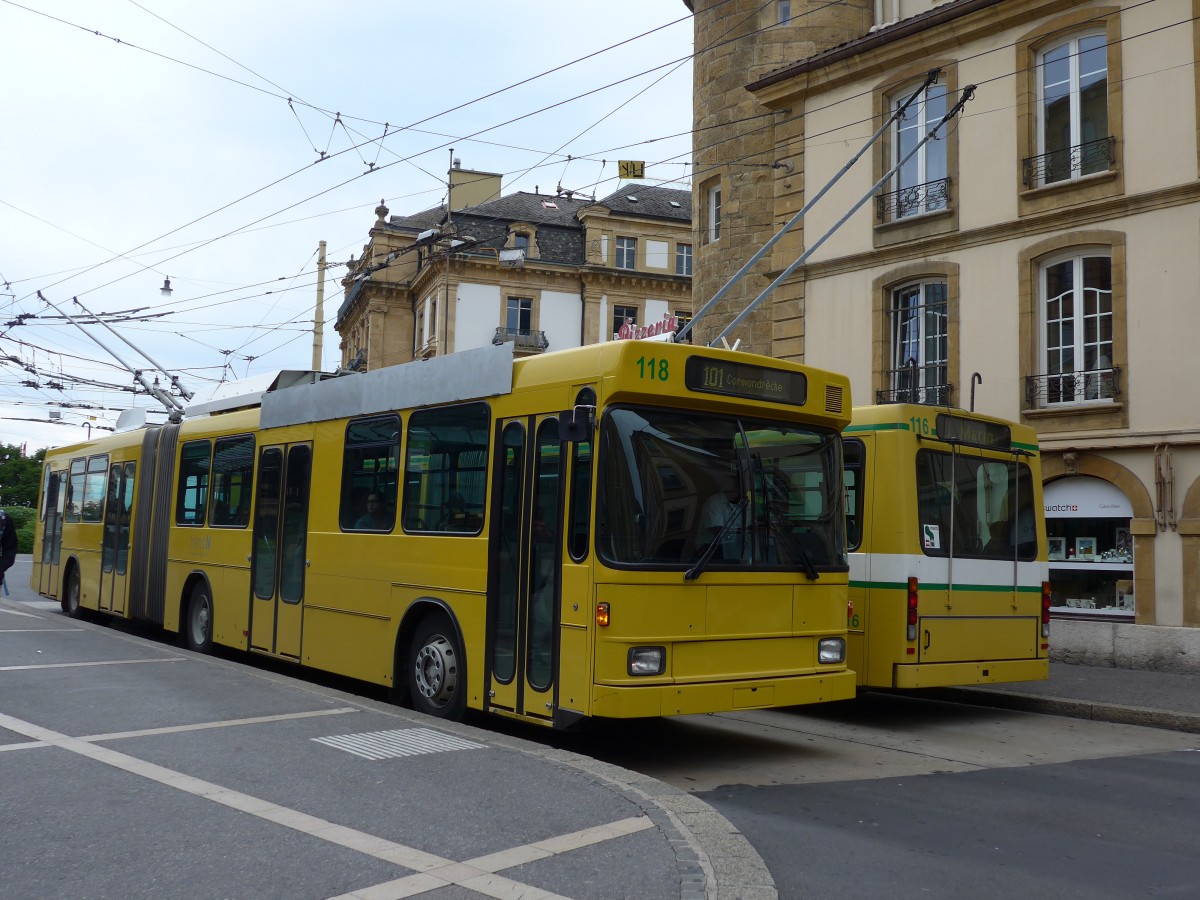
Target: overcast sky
{"type": "Point", "coordinates": [155, 139]}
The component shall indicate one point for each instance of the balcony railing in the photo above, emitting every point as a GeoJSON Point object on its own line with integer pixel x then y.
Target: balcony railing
{"type": "Point", "coordinates": [1070, 162]}
{"type": "Point", "coordinates": [920, 198]}
{"type": "Point", "coordinates": [524, 339]}
{"type": "Point", "coordinates": [1073, 387]}
{"type": "Point", "coordinates": [916, 384]}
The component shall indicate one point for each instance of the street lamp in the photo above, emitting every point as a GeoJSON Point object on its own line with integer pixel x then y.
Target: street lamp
{"type": "Point", "coordinates": [166, 288]}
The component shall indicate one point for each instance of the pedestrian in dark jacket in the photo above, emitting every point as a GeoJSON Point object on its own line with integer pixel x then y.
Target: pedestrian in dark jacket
{"type": "Point", "coordinates": [8, 543]}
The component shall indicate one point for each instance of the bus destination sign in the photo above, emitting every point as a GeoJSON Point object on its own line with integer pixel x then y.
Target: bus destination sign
{"type": "Point", "coordinates": [735, 379]}
{"type": "Point", "coordinates": [962, 430]}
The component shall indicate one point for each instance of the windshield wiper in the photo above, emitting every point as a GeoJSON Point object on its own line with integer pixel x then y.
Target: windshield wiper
{"type": "Point", "coordinates": [698, 567]}
{"type": "Point", "coordinates": [773, 530]}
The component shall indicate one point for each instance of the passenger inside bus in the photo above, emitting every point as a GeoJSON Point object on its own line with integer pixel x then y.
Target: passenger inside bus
{"type": "Point", "coordinates": [721, 508]}
{"type": "Point", "coordinates": [376, 517]}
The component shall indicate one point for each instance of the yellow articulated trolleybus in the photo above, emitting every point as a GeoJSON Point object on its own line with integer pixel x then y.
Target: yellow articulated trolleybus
{"type": "Point", "coordinates": [630, 529]}
{"type": "Point", "coordinates": [948, 549]}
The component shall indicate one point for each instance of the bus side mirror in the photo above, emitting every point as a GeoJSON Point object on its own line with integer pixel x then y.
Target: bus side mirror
{"type": "Point", "coordinates": [575, 425]}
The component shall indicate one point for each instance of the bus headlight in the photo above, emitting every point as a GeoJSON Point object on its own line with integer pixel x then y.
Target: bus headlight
{"type": "Point", "coordinates": [647, 660]}
{"type": "Point", "coordinates": [831, 650]}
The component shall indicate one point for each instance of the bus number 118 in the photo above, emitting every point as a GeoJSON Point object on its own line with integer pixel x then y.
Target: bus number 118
{"type": "Point", "coordinates": [654, 369]}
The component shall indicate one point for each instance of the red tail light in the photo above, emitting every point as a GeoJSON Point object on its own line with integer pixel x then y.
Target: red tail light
{"type": "Point", "coordinates": [1045, 609]}
{"type": "Point", "coordinates": [912, 609]}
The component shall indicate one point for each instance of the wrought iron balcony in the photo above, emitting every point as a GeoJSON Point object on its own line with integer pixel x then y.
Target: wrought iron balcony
{"type": "Point", "coordinates": [1073, 387]}
{"type": "Point", "coordinates": [524, 339]}
{"type": "Point", "coordinates": [917, 384]}
{"type": "Point", "coordinates": [1070, 162]}
{"type": "Point", "coordinates": [920, 198]}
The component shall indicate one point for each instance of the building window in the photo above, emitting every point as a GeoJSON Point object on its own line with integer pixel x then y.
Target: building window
{"type": "Point", "coordinates": [712, 214]}
{"type": "Point", "coordinates": [785, 11]}
{"type": "Point", "coordinates": [624, 315]}
{"type": "Point", "coordinates": [519, 319]}
{"type": "Point", "coordinates": [683, 259]}
{"type": "Point", "coordinates": [1072, 117]}
{"type": "Point", "coordinates": [626, 253]}
{"type": "Point", "coordinates": [921, 184]}
{"type": "Point", "coordinates": [682, 317]}
{"type": "Point", "coordinates": [521, 242]}
{"type": "Point", "coordinates": [1077, 329]}
{"type": "Point", "coordinates": [919, 341]}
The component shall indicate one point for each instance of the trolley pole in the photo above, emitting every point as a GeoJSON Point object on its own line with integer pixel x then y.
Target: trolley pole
{"type": "Point", "coordinates": [967, 94]}
{"type": "Point", "coordinates": [319, 317]}
{"type": "Point", "coordinates": [930, 78]}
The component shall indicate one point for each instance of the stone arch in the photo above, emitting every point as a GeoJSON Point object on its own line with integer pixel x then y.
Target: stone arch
{"type": "Point", "coordinates": [1189, 538]}
{"type": "Point", "coordinates": [1142, 526]}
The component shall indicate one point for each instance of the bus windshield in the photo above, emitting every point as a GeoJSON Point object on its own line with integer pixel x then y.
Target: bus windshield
{"type": "Point", "coordinates": [680, 487]}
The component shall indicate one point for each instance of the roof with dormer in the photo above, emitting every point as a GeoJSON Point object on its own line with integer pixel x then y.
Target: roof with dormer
{"type": "Point", "coordinates": [650, 202]}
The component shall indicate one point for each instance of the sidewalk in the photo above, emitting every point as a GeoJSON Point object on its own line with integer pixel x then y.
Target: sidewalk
{"type": "Point", "coordinates": [1129, 696]}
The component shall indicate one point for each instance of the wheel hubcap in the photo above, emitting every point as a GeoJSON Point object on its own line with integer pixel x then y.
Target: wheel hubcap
{"type": "Point", "coordinates": [436, 671]}
{"type": "Point", "coordinates": [200, 621]}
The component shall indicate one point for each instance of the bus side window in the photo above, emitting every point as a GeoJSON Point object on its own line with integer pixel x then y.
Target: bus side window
{"type": "Point", "coordinates": [445, 469]}
{"type": "Point", "coordinates": [370, 470]}
{"type": "Point", "coordinates": [75, 489]}
{"type": "Point", "coordinates": [854, 456]}
{"type": "Point", "coordinates": [232, 479]}
{"type": "Point", "coordinates": [192, 499]}
{"type": "Point", "coordinates": [580, 514]}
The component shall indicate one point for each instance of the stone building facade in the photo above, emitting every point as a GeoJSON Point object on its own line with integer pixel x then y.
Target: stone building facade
{"type": "Point", "coordinates": [1037, 258]}
{"type": "Point", "coordinates": [544, 272]}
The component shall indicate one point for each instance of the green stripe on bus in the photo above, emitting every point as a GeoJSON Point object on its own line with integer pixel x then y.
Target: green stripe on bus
{"type": "Point", "coordinates": [932, 586]}
{"type": "Point", "coordinates": [886, 426]}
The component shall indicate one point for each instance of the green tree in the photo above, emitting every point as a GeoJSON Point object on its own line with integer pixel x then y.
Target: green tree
{"type": "Point", "coordinates": [20, 476]}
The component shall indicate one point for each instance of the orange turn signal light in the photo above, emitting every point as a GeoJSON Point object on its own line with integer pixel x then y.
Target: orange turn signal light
{"type": "Point", "coordinates": [602, 614]}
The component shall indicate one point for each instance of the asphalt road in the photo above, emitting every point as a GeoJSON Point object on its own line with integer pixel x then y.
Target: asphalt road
{"type": "Point", "coordinates": [891, 796]}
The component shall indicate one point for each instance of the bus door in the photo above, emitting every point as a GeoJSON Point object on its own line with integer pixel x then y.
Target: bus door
{"type": "Point", "coordinates": [114, 551]}
{"type": "Point", "coordinates": [56, 498]}
{"type": "Point", "coordinates": [279, 559]}
{"type": "Point", "coordinates": [526, 582]}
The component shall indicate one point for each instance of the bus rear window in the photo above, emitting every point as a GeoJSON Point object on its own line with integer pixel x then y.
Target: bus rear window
{"type": "Point", "coordinates": [975, 506]}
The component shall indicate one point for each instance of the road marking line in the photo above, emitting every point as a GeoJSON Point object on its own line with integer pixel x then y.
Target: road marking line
{"type": "Point", "coordinates": [14, 612]}
{"type": "Point", "coordinates": [198, 726]}
{"type": "Point", "coordinates": [103, 662]}
{"type": "Point", "coordinates": [433, 872]}
{"type": "Point", "coordinates": [479, 874]}
{"type": "Point", "coordinates": [42, 630]}
{"type": "Point", "coordinates": [225, 723]}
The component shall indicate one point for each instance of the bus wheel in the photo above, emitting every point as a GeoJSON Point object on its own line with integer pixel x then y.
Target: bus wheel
{"type": "Point", "coordinates": [70, 600]}
{"type": "Point", "coordinates": [199, 625]}
{"type": "Point", "coordinates": [435, 670]}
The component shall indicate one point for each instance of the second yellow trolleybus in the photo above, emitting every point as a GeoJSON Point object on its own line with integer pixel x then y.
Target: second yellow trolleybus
{"type": "Point", "coordinates": [948, 548]}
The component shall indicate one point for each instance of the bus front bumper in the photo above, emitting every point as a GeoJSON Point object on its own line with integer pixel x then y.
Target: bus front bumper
{"type": "Point", "coordinates": [964, 673]}
{"type": "Point", "coordinates": [635, 701]}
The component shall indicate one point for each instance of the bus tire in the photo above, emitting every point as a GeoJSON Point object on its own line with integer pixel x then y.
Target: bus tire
{"type": "Point", "coordinates": [435, 670]}
{"type": "Point", "coordinates": [198, 627]}
{"type": "Point", "coordinates": [70, 601]}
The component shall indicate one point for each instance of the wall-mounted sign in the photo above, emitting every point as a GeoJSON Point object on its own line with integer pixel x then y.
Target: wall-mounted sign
{"type": "Point", "coordinates": [660, 329]}
{"type": "Point", "coordinates": [1082, 497]}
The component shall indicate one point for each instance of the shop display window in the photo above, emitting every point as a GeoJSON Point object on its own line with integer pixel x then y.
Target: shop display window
{"type": "Point", "coordinates": [1089, 548]}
